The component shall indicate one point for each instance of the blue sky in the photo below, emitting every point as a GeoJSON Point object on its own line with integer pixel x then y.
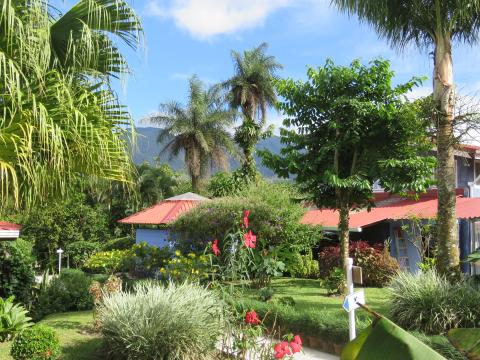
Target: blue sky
{"type": "Point", "coordinates": [185, 37]}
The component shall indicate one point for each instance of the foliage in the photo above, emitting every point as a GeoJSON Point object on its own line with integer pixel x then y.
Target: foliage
{"type": "Point", "coordinates": [298, 265]}
{"type": "Point", "coordinates": [155, 183]}
{"type": "Point", "coordinates": [199, 130]}
{"type": "Point", "coordinates": [181, 268]}
{"type": "Point", "coordinates": [65, 292]}
{"type": "Point", "coordinates": [428, 302]}
{"type": "Point", "coordinates": [286, 301]}
{"type": "Point", "coordinates": [173, 322]}
{"type": "Point", "coordinates": [265, 293]}
{"type": "Point", "coordinates": [348, 128]}
{"type": "Point", "coordinates": [61, 223]}
{"type": "Point", "coordinates": [60, 118]}
{"type": "Point", "coordinates": [109, 261]}
{"type": "Point", "coordinates": [466, 341]}
{"type": "Point", "coordinates": [335, 281]}
{"type": "Point", "coordinates": [40, 342]}
{"type": "Point", "coordinates": [80, 251]}
{"type": "Point", "coordinates": [225, 184]}
{"type": "Point", "coordinates": [149, 259]}
{"type": "Point", "coordinates": [122, 243]}
{"type": "Point", "coordinates": [377, 265]}
{"type": "Point", "coordinates": [13, 319]}
{"type": "Point", "coordinates": [16, 270]}
{"type": "Point", "coordinates": [275, 217]}
{"type": "Point", "coordinates": [252, 90]}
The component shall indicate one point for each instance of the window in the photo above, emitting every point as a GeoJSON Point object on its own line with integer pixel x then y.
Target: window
{"type": "Point", "coordinates": [402, 249]}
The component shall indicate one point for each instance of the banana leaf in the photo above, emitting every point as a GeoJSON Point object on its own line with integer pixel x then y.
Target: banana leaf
{"type": "Point", "coordinates": [386, 340]}
{"type": "Point", "coordinates": [467, 341]}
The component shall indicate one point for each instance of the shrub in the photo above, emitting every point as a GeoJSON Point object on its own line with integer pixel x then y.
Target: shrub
{"type": "Point", "coordinates": [66, 292]}
{"type": "Point", "coordinates": [265, 294]}
{"type": "Point", "coordinates": [36, 343]}
{"type": "Point", "coordinates": [377, 264]}
{"type": "Point", "coordinates": [182, 268]}
{"type": "Point", "coordinates": [16, 270]}
{"type": "Point", "coordinates": [298, 265]}
{"type": "Point", "coordinates": [13, 319]}
{"type": "Point", "coordinates": [274, 219]}
{"type": "Point", "coordinates": [155, 322]}
{"type": "Point", "coordinates": [428, 302]}
{"type": "Point", "coordinates": [109, 261]}
{"type": "Point", "coordinates": [148, 259]}
{"type": "Point", "coordinates": [225, 184]}
{"type": "Point", "coordinates": [123, 243]}
{"type": "Point", "coordinates": [335, 281]}
{"type": "Point", "coordinates": [80, 251]}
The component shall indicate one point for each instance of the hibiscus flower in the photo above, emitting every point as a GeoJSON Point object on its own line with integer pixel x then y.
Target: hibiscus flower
{"type": "Point", "coordinates": [246, 214]}
{"type": "Point", "coordinates": [249, 240]}
{"type": "Point", "coordinates": [215, 249]}
{"type": "Point", "coordinates": [251, 317]}
{"type": "Point", "coordinates": [286, 348]}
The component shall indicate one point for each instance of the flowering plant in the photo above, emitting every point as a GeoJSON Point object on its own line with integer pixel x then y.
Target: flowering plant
{"type": "Point", "coordinates": [191, 267]}
{"type": "Point", "coordinates": [288, 348]}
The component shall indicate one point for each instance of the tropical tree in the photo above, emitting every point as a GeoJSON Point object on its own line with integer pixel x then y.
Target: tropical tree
{"type": "Point", "coordinates": [426, 24]}
{"type": "Point", "coordinates": [252, 89]}
{"type": "Point", "coordinates": [60, 120]}
{"type": "Point", "coordinates": [199, 129]}
{"type": "Point", "coordinates": [348, 129]}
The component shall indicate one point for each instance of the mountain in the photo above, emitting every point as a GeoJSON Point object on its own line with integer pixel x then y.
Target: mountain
{"type": "Point", "coordinates": [147, 149]}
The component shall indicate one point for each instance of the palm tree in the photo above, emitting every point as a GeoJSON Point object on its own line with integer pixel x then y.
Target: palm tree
{"type": "Point", "coordinates": [200, 130]}
{"type": "Point", "coordinates": [431, 23]}
{"type": "Point", "coordinates": [252, 90]}
{"type": "Point", "coordinates": [60, 119]}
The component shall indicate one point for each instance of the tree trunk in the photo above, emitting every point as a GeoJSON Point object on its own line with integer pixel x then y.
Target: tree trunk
{"type": "Point", "coordinates": [195, 183]}
{"type": "Point", "coordinates": [444, 98]}
{"type": "Point", "coordinates": [343, 234]}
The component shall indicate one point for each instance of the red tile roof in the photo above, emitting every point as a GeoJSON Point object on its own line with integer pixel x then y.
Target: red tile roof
{"type": "Point", "coordinates": [394, 208]}
{"type": "Point", "coordinates": [9, 226]}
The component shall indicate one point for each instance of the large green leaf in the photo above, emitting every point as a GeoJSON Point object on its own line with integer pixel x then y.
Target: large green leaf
{"type": "Point", "coordinates": [467, 341]}
{"type": "Point", "coordinates": [385, 340]}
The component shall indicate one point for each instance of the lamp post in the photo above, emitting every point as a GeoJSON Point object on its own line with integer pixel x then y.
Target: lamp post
{"type": "Point", "coordinates": [59, 252]}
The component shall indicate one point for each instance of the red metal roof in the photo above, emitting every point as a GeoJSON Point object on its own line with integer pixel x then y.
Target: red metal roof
{"type": "Point", "coordinates": [164, 212]}
{"type": "Point", "coordinates": [393, 208]}
{"type": "Point", "coordinates": [9, 226]}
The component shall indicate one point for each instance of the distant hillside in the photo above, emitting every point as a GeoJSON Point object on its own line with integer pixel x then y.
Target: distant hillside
{"type": "Point", "coordinates": [148, 149]}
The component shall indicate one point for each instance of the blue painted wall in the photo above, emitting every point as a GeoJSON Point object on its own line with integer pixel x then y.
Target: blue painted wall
{"type": "Point", "coordinates": [153, 237]}
{"type": "Point", "coordinates": [413, 255]}
{"type": "Point", "coordinates": [465, 171]}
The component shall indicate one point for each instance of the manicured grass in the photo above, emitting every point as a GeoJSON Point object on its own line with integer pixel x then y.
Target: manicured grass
{"type": "Point", "coordinates": [77, 338]}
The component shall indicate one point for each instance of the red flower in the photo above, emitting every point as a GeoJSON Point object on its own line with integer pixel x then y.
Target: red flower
{"type": "Point", "coordinates": [252, 318]}
{"type": "Point", "coordinates": [215, 249]}
{"type": "Point", "coordinates": [295, 347]}
{"type": "Point", "coordinates": [282, 349]}
{"type": "Point", "coordinates": [297, 339]}
{"type": "Point", "coordinates": [246, 214]}
{"type": "Point", "coordinates": [249, 240]}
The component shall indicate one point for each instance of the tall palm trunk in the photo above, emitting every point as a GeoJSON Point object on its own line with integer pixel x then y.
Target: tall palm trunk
{"type": "Point", "coordinates": [444, 97]}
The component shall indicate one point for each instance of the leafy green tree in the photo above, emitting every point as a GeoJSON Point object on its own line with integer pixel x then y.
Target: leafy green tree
{"type": "Point", "coordinates": [252, 90]}
{"type": "Point", "coordinates": [427, 24]}
{"type": "Point", "coordinates": [60, 119]}
{"type": "Point", "coordinates": [156, 183]}
{"type": "Point", "coordinates": [200, 130]}
{"type": "Point", "coordinates": [350, 128]}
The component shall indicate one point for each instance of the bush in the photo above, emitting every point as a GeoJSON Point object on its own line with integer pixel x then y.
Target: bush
{"type": "Point", "coordinates": [274, 219]}
{"type": "Point", "coordinates": [80, 251]}
{"type": "Point", "coordinates": [149, 259]}
{"type": "Point", "coordinates": [155, 322]}
{"type": "Point", "coordinates": [377, 264]}
{"type": "Point", "coordinates": [13, 319]}
{"type": "Point", "coordinates": [182, 268]}
{"type": "Point", "coordinates": [36, 343]}
{"type": "Point", "coordinates": [265, 294]}
{"type": "Point", "coordinates": [109, 261]}
{"type": "Point", "coordinates": [428, 302]}
{"type": "Point", "coordinates": [16, 270]}
{"type": "Point", "coordinates": [66, 292]}
{"type": "Point", "coordinates": [225, 184]}
{"type": "Point", "coordinates": [123, 243]}
{"type": "Point", "coordinates": [298, 265]}
{"type": "Point", "coordinates": [335, 282]}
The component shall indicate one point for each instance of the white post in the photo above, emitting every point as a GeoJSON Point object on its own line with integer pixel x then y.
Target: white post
{"type": "Point", "coordinates": [59, 252]}
{"type": "Point", "coordinates": [351, 313]}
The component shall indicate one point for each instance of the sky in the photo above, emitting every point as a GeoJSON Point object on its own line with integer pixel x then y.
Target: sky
{"type": "Point", "coordinates": [186, 37]}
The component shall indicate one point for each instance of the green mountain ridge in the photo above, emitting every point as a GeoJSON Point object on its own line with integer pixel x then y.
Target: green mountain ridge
{"type": "Point", "coordinates": [147, 150]}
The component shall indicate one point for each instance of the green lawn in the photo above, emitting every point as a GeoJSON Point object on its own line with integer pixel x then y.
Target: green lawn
{"type": "Point", "coordinates": [77, 339]}
{"type": "Point", "coordinates": [308, 295]}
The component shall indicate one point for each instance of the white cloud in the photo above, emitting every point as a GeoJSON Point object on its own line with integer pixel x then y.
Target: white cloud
{"type": "Point", "coordinates": [419, 92]}
{"type": "Point", "coordinates": [208, 18]}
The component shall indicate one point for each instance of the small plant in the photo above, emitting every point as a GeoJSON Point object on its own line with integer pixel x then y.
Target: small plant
{"type": "Point", "coordinates": [286, 301]}
{"type": "Point", "coordinates": [13, 319]}
{"type": "Point", "coordinates": [36, 343]}
{"type": "Point", "coordinates": [335, 282]}
{"type": "Point", "coordinates": [181, 268]}
{"type": "Point", "coordinates": [109, 262]}
{"type": "Point", "coordinates": [265, 294]}
{"type": "Point", "coordinates": [156, 322]}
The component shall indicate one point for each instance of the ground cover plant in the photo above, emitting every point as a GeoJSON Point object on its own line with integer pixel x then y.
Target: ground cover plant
{"type": "Point", "coordinates": [40, 342]}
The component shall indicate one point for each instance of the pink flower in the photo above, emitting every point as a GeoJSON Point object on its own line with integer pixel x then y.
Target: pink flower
{"type": "Point", "coordinates": [249, 240]}
{"type": "Point", "coordinates": [215, 249]}
{"type": "Point", "coordinates": [251, 317]}
{"type": "Point", "coordinates": [246, 214]}
{"type": "Point", "coordinates": [288, 349]}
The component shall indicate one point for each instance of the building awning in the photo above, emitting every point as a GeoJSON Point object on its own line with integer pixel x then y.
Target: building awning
{"type": "Point", "coordinates": [9, 230]}
{"type": "Point", "coordinates": [392, 208]}
{"type": "Point", "coordinates": [166, 211]}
